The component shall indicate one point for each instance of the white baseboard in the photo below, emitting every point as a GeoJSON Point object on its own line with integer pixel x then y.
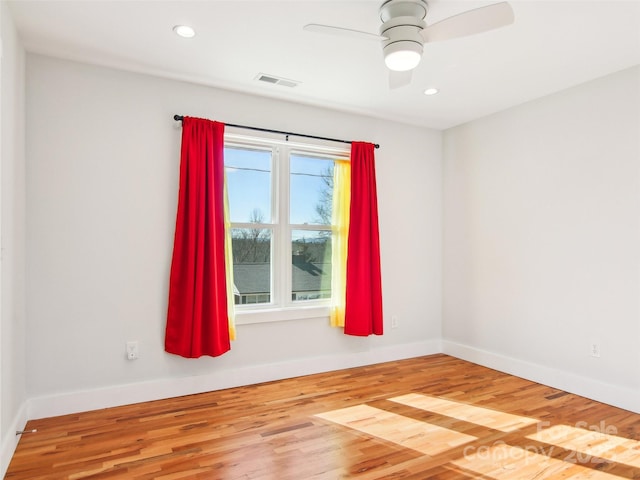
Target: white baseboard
{"type": "Point", "coordinates": [10, 439]}
{"type": "Point", "coordinates": [82, 401]}
{"type": "Point", "coordinates": [615, 395]}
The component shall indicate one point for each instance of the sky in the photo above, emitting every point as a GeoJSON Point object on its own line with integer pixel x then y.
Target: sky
{"type": "Point", "coordinates": [249, 177]}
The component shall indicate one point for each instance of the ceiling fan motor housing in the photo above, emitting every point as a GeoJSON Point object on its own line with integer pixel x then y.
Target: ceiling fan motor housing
{"type": "Point", "coordinates": [403, 22]}
{"type": "Point", "coordinates": [403, 8]}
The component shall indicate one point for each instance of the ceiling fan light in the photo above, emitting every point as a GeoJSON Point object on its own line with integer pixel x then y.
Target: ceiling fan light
{"type": "Point", "coordinates": [402, 56]}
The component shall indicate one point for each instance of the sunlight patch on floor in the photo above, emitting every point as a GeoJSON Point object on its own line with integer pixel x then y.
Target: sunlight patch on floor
{"type": "Point", "coordinates": [504, 422]}
{"type": "Point", "coordinates": [505, 462]}
{"type": "Point", "coordinates": [591, 444]}
{"type": "Point", "coordinates": [553, 452]}
{"type": "Point", "coordinates": [407, 432]}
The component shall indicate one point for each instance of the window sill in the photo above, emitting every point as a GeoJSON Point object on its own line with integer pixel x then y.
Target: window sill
{"type": "Point", "coordinates": [264, 315]}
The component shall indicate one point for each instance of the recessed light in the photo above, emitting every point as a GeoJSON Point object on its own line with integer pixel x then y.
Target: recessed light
{"type": "Point", "coordinates": [431, 91]}
{"type": "Point", "coordinates": [184, 31]}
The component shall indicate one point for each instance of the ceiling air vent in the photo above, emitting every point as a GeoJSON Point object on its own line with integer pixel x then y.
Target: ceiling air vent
{"type": "Point", "coordinates": [276, 80]}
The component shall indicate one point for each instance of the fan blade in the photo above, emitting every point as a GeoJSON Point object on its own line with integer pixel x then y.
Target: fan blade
{"type": "Point", "coordinates": [399, 79]}
{"type": "Point", "coordinates": [475, 21]}
{"type": "Point", "coordinates": [345, 32]}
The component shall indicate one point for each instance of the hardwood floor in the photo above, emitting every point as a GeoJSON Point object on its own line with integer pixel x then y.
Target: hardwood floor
{"type": "Point", "coordinates": [433, 417]}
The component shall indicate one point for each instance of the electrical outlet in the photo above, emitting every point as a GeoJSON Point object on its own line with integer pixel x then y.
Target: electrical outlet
{"type": "Point", "coordinates": [394, 321]}
{"type": "Point", "coordinates": [133, 352]}
{"type": "Point", "coordinates": [595, 349]}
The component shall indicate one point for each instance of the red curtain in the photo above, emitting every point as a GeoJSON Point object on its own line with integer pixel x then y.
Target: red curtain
{"type": "Point", "coordinates": [363, 305]}
{"type": "Point", "coordinates": [197, 321]}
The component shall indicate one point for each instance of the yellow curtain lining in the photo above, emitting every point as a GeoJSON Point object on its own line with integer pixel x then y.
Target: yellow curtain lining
{"type": "Point", "coordinates": [228, 253]}
{"type": "Point", "coordinates": [340, 221]}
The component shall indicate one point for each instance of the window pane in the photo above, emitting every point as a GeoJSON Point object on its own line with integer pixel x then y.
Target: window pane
{"type": "Point", "coordinates": [311, 190]}
{"type": "Point", "coordinates": [311, 264]}
{"type": "Point", "coordinates": [251, 265]}
{"type": "Point", "coordinates": [249, 183]}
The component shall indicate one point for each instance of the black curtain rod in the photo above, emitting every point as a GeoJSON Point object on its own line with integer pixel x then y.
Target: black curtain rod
{"type": "Point", "coordinates": [178, 118]}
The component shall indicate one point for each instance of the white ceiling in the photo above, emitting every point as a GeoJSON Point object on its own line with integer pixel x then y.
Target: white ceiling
{"type": "Point", "coordinates": [551, 46]}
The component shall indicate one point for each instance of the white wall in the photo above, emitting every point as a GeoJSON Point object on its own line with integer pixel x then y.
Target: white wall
{"type": "Point", "coordinates": [12, 267]}
{"type": "Point", "coordinates": [542, 239]}
{"type": "Point", "coordinates": [102, 175]}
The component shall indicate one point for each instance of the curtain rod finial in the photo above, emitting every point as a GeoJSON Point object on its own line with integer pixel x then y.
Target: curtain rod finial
{"type": "Point", "coordinates": [178, 118]}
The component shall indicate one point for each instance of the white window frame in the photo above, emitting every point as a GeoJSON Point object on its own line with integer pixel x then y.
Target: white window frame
{"type": "Point", "coordinates": [282, 307]}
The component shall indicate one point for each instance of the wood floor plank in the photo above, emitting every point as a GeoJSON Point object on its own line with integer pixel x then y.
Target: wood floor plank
{"type": "Point", "coordinates": [434, 417]}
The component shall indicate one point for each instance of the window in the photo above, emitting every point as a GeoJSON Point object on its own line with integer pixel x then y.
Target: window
{"type": "Point", "coordinates": [280, 202]}
{"type": "Point", "coordinates": [250, 182]}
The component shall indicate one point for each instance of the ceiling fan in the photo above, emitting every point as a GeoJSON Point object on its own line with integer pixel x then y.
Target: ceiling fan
{"type": "Point", "coordinates": [404, 32]}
